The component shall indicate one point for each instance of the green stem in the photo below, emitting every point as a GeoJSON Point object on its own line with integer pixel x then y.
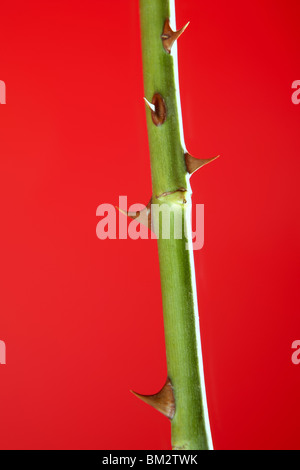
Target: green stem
{"type": "Point", "coordinates": [190, 425]}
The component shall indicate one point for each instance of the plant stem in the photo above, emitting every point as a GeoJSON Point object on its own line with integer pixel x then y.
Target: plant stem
{"type": "Point", "coordinates": [170, 185]}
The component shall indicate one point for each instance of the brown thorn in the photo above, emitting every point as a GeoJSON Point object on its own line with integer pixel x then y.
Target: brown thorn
{"type": "Point", "coordinates": [193, 164]}
{"type": "Point", "coordinates": [143, 216]}
{"type": "Point", "coordinates": [162, 401]}
{"type": "Point", "coordinates": [169, 36]}
{"type": "Point", "coordinates": [158, 109]}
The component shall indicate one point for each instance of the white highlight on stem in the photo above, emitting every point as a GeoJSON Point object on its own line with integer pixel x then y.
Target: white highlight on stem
{"type": "Point", "coordinates": [197, 320]}
{"type": "Point", "coordinates": [174, 54]}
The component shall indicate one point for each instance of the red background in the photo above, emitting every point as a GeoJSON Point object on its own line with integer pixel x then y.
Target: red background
{"type": "Point", "coordinates": [82, 318]}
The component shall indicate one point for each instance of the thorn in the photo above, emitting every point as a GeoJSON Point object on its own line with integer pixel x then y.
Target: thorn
{"type": "Point", "coordinates": [158, 109]}
{"type": "Point", "coordinates": [162, 401]}
{"type": "Point", "coordinates": [143, 216]}
{"type": "Point", "coordinates": [193, 164]}
{"type": "Point", "coordinates": [169, 36]}
{"type": "Point", "coordinates": [150, 105]}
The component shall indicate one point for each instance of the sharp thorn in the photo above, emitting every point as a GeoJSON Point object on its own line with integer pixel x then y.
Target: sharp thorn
{"type": "Point", "coordinates": [169, 36]}
{"type": "Point", "coordinates": [163, 401]}
{"type": "Point", "coordinates": [121, 210]}
{"type": "Point", "coordinates": [150, 105]}
{"type": "Point", "coordinates": [193, 164]}
{"type": "Point", "coordinates": [143, 216]}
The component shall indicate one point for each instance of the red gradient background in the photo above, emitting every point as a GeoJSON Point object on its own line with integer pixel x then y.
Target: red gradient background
{"type": "Point", "coordinates": [82, 318]}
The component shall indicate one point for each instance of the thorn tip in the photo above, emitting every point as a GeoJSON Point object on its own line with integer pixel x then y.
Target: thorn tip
{"type": "Point", "coordinates": [150, 105]}
{"type": "Point", "coordinates": [163, 401]}
{"type": "Point", "coordinates": [169, 36]}
{"type": "Point", "coordinates": [193, 164]}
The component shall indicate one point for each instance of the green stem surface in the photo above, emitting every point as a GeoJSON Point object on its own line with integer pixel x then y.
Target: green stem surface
{"type": "Point", "coordinates": [190, 425]}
